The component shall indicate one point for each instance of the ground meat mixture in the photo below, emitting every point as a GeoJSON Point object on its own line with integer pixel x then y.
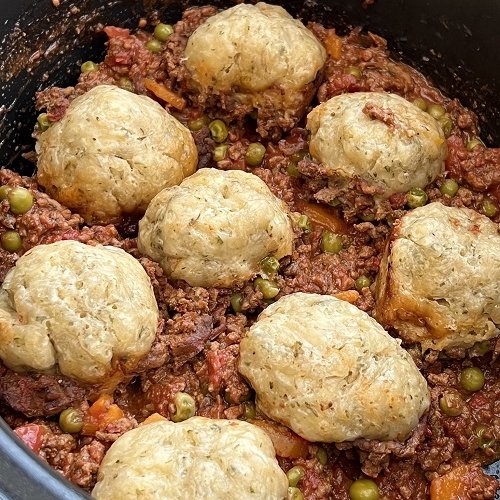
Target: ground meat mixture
{"type": "Point", "coordinates": [197, 344]}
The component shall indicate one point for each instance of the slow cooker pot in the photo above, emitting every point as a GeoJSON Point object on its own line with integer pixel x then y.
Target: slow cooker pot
{"type": "Point", "coordinates": [43, 42]}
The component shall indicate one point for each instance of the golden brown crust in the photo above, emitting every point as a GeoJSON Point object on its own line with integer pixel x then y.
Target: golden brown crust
{"type": "Point", "coordinates": [439, 280]}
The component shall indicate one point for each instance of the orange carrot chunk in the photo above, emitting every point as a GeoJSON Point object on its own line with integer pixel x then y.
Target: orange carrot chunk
{"type": "Point", "coordinates": [165, 94]}
{"type": "Point", "coordinates": [102, 413]}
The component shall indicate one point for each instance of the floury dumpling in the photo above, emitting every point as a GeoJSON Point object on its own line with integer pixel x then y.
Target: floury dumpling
{"type": "Point", "coordinates": [112, 152]}
{"type": "Point", "coordinates": [379, 138]}
{"type": "Point", "coordinates": [198, 458]}
{"type": "Point", "coordinates": [78, 308]}
{"type": "Point", "coordinates": [439, 280]}
{"type": "Point", "coordinates": [215, 228]}
{"type": "Point", "coordinates": [260, 57]}
{"type": "Point", "coordinates": [330, 372]}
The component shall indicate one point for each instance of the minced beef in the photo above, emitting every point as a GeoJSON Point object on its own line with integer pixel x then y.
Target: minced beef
{"type": "Point", "coordinates": [197, 344]}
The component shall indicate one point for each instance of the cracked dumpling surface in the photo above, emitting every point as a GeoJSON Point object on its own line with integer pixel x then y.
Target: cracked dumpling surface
{"type": "Point", "coordinates": [330, 372]}
{"type": "Point", "coordinates": [112, 152]}
{"type": "Point", "coordinates": [258, 54]}
{"type": "Point", "coordinates": [197, 458]}
{"type": "Point", "coordinates": [439, 280]}
{"type": "Point", "coordinates": [215, 228]}
{"type": "Point", "coordinates": [378, 137]}
{"type": "Point", "coordinates": [77, 307]}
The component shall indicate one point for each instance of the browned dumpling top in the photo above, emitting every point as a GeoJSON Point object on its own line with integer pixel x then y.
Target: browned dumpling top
{"type": "Point", "coordinates": [439, 282]}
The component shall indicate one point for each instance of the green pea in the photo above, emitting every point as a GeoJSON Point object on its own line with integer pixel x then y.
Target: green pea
{"type": "Point", "coordinates": [335, 202]}
{"type": "Point", "coordinates": [43, 122]}
{"type": "Point", "coordinates": [292, 170]}
{"type": "Point", "coordinates": [480, 348]}
{"type": "Point", "coordinates": [416, 197]}
{"type": "Point", "coordinates": [364, 489]}
{"type": "Point", "coordinates": [471, 379]}
{"type": "Point", "coordinates": [363, 282]}
{"type": "Point", "coordinates": [185, 407]}
{"type": "Point", "coordinates": [473, 143]}
{"type": "Point", "coordinates": [126, 84]}
{"type": "Point", "coordinates": [354, 71]}
{"type": "Point", "coordinates": [322, 456]}
{"type": "Point", "coordinates": [218, 130]}
{"type": "Point", "coordinates": [420, 103]}
{"type": "Point", "coordinates": [270, 265]}
{"type": "Point", "coordinates": [71, 420]}
{"type": "Point", "coordinates": [449, 188]}
{"type": "Point", "coordinates": [451, 404]}
{"type": "Point", "coordinates": [162, 32]}
{"type": "Point", "coordinates": [11, 241]}
{"type": "Point", "coordinates": [4, 191]}
{"type": "Point", "coordinates": [220, 152]}
{"type": "Point", "coordinates": [20, 200]}
{"type": "Point", "coordinates": [89, 66]}
{"type": "Point", "coordinates": [295, 474]}
{"type": "Point", "coordinates": [436, 110]}
{"type": "Point", "coordinates": [331, 242]}
{"type": "Point", "coordinates": [236, 301]}
{"type": "Point", "coordinates": [198, 124]}
{"type": "Point", "coordinates": [490, 208]}
{"type": "Point", "coordinates": [249, 412]}
{"type": "Point", "coordinates": [446, 124]}
{"type": "Point", "coordinates": [368, 217]}
{"type": "Point", "coordinates": [255, 154]}
{"type": "Point", "coordinates": [154, 46]}
{"type": "Point", "coordinates": [483, 434]}
{"type": "Point", "coordinates": [268, 288]}
{"type": "Point", "coordinates": [294, 494]}
{"type": "Point", "coordinates": [299, 156]}
{"type": "Point", "coordinates": [304, 223]}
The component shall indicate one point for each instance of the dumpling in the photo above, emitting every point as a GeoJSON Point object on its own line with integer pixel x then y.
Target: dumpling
{"type": "Point", "coordinates": [439, 281]}
{"type": "Point", "coordinates": [215, 228]}
{"type": "Point", "coordinates": [260, 56]}
{"type": "Point", "coordinates": [330, 372]}
{"type": "Point", "coordinates": [195, 459]}
{"type": "Point", "coordinates": [77, 307]}
{"type": "Point", "coordinates": [379, 138]}
{"type": "Point", "coordinates": [112, 152]}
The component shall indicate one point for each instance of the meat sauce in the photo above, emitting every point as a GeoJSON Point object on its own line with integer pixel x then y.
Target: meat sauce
{"type": "Point", "coordinates": [197, 344]}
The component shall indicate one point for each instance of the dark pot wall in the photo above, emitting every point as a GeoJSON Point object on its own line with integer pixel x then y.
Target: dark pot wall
{"type": "Point", "coordinates": [451, 41]}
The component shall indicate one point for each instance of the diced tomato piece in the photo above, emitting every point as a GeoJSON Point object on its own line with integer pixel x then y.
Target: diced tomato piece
{"type": "Point", "coordinates": [114, 32]}
{"type": "Point", "coordinates": [32, 436]}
